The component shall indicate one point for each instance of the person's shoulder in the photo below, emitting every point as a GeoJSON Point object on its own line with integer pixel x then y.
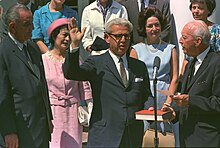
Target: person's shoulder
{"type": "Point", "coordinates": [67, 8]}
{"type": "Point", "coordinates": [136, 61]}
{"type": "Point", "coordinates": [91, 6]}
{"type": "Point", "coordinates": [137, 66]}
{"type": "Point", "coordinates": [34, 47]}
{"type": "Point", "coordinates": [42, 9]}
{"type": "Point", "coordinates": [214, 28]}
{"type": "Point", "coordinates": [117, 5]}
{"type": "Point", "coordinates": [138, 46]}
{"type": "Point", "coordinates": [215, 54]}
{"type": "Point", "coordinates": [6, 42]}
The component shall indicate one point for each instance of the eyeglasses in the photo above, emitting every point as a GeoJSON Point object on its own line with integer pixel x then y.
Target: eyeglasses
{"type": "Point", "coordinates": [119, 36]}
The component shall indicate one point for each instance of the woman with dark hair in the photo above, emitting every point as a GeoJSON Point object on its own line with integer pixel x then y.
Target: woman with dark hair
{"type": "Point", "coordinates": [151, 23]}
{"type": "Point", "coordinates": [201, 10]}
{"type": "Point", "coordinates": [65, 95]}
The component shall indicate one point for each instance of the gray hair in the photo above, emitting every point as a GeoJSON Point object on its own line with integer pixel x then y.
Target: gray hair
{"type": "Point", "coordinates": [199, 28]}
{"type": "Point", "coordinates": [13, 13]}
{"type": "Point", "coordinates": [118, 21]}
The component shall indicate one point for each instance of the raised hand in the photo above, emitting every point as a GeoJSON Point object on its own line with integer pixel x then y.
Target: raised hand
{"type": "Point", "coordinates": [75, 35]}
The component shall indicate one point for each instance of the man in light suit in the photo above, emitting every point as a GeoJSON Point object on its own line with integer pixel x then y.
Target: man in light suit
{"type": "Point", "coordinates": [134, 7]}
{"type": "Point", "coordinates": [24, 103]}
{"type": "Point", "coordinates": [199, 102]}
{"type": "Point", "coordinates": [94, 18]}
{"type": "Point", "coordinates": [116, 98]}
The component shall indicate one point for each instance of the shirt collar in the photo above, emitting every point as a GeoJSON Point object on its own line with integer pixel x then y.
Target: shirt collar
{"type": "Point", "coordinates": [108, 5]}
{"type": "Point", "coordinates": [116, 59]}
{"type": "Point", "coordinates": [19, 44]}
{"type": "Point", "coordinates": [202, 55]}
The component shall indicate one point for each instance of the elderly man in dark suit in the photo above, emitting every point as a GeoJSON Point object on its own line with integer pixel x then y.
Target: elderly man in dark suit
{"type": "Point", "coordinates": [199, 102]}
{"type": "Point", "coordinates": [120, 86]}
{"type": "Point", "coordinates": [24, 103]}
{"type": "Point", "coordinates": [135, 6]}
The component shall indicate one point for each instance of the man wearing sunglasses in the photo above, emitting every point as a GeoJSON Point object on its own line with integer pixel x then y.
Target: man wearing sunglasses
{"type": "Point", "coordinates": [120, 86]}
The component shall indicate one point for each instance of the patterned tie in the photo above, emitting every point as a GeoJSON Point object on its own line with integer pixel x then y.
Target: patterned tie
{"type": "Point", "coordinates": [142, 5]}
{"type": "Point", "coordinates": [123, 73]}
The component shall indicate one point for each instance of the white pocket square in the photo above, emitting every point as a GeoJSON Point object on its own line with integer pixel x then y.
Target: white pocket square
{"type": "Point", "coordinates": [138, 79]}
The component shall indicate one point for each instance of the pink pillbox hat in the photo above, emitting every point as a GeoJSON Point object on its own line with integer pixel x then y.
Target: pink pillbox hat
{"type": "Point", "coordinates": [55, 24]}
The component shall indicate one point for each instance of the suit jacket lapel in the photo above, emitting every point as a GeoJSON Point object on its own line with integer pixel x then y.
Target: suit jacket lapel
{"type": "Point", "coordinates": [200, 70]}
{"type": "Point", "coordinates": [131, 75]}
{"type": "Point", "coordinates": [21, 56]}
{"type": "Point", "coordinates": [33, 64]}
{"type": "Point", "coordinates": [112, 67]}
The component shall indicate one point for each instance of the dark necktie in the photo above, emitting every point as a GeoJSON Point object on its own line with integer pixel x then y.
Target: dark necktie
{"type": "Point", "coordinates": [142, 5]}
{"type": "Point", "coordinates": [25, 51]}
{"type": "Point", "coordinates": [123, 73]}
{"type": "Point", "coordinates": [191, 71]}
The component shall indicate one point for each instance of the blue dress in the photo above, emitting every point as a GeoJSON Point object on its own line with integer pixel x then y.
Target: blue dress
{"type": "Point", "coordinates": [43, 18]}
{"type": "Point", "coordinates": [147, 53]}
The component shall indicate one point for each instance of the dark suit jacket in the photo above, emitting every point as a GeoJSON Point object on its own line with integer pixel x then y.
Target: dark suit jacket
{"type": "Point", "coordinates": [202, 127]}
{"type": "Point", "coordinates": [24, 102]}
{"type": "Point", "coordinates": [114, 105]}
{"type": "Point", "coordinates": [133, 13]}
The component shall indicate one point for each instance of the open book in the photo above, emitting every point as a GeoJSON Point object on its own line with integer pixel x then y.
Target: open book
{"type": "Point", "coordinates": [149, 115]}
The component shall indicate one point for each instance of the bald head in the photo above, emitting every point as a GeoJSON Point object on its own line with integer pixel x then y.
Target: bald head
{"type": "Point", "coordinates": [195, 38]}
{"type": "Point", "coordinates": [198, 28]}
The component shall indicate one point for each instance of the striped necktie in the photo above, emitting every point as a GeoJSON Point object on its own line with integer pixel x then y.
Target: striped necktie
{"type": "Point", "coordinates": [123, 73]}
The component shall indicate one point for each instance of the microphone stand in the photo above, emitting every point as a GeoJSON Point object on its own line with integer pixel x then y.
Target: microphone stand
{"type": "Point", "coordinates": [156, 139]}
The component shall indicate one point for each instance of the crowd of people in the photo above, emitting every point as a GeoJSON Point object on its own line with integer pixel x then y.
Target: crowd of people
{"type": "Point", "coordinates": [44, 80]}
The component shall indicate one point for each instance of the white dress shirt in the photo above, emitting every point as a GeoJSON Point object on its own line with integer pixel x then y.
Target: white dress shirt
{"type": "Point", "coordinates": [117, 64]}
{"type": "Point", "coordinates": [200, 59]}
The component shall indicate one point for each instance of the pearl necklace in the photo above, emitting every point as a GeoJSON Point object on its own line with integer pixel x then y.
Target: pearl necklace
{"type": "Point", "coordinates": [50, 55]}
{"type": "Point", "coordinates": [151, 47]}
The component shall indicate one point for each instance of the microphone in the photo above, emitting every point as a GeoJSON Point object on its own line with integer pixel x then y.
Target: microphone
{"type": "Point", "coordinates": [156, 66]}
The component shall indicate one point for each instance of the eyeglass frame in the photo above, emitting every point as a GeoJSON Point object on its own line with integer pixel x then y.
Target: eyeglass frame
{"type": "Point", "coordinates": [119, 36]}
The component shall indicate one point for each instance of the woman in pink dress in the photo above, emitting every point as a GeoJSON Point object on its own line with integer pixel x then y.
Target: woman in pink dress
{"type": "Point", "coordinates": [65, 95]}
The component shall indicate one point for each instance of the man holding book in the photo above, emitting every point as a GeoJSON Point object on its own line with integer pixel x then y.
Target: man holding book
{"type": "Point", "coordinates": [199, 102]}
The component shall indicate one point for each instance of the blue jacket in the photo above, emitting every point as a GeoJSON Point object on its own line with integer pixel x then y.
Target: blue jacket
{"type": "Point", "coordinates": [43, 18]}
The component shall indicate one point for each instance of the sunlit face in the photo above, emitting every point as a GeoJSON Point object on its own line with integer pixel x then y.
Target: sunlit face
{"type": "Point", "coordinates": [118, 39]}
{"type": "Point", "coordinates": [200, 11]}
{"type": "Point", "coordinates": [153, 28]}
{"type": "Point", "coordinates": [187, 42]}
{"type": "Point", "coordinates": [62, 40]}
{"type": "Point", "coordinates": [22, 29]}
